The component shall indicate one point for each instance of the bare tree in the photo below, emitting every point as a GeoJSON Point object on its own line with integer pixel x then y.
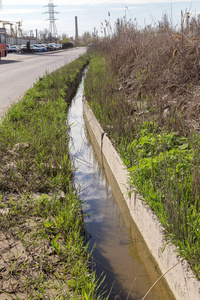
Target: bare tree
{"type": "Point", "coordinates": [45, 36]}
{"type": "Point", "coordinates": [86, 38]}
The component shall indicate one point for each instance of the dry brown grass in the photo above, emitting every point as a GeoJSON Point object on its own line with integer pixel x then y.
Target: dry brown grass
{"type": "Point", "coordinates": [159, 67]}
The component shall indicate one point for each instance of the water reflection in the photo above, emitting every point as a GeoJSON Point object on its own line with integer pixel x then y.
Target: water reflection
{"type": "Point", "coordinates": [119, 250]}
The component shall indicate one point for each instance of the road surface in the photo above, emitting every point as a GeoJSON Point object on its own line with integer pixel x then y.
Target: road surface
{"type": "Point", "coordinates": [18, 72]}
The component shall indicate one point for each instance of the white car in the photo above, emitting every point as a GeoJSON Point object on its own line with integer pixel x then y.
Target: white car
{"type": "Point", "coordinates": [13, 49]}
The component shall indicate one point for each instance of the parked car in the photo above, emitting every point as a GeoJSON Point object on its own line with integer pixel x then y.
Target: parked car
{"type": "Point", "coordinates": [13, 49]}
{"type": "Point", "coordinates": [54, 46]}
{"type": "Point", "coordinates": [34, 48]}
{"type": "Point", "coordinates": [51, 47]}
{"type": "Point", "coordinates": [23, 47]}
{"type": "Point", "coordinates": [42, 49]}
{"type": "Point", "coordinates": [59, 46]}
{"type": "Point", "coordinates": [46, 46]}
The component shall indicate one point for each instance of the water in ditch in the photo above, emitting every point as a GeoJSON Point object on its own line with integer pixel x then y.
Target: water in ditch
{"type": "Point", "coordinates": [118, 249]}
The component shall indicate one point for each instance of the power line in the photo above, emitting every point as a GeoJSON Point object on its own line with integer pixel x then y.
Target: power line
{"type": "Point", "coordinates": [52, 19]}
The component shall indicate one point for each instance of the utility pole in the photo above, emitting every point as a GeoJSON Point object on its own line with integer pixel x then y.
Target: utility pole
{"type": "Point", "coordinates": [16, 34]}
{"type": "Point", "coordinates": [76, 30]}
{"type": "Point", "coordinates": [52, 19]}
{"type": "Point", "coordinates": [36, 33]}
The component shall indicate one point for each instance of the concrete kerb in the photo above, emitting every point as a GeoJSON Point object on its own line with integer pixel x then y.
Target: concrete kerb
{"type": "Point", "coordinates": [176, 270]}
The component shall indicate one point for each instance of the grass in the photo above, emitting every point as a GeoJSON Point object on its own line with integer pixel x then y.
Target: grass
{"type": "Point", "coordinates": [42, 246]}
{"type": "Point", "coordinates": [139, 92]}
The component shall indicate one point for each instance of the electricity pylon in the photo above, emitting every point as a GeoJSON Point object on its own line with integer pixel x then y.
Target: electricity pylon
{"type": "Point", "coordinates": [52, 19]}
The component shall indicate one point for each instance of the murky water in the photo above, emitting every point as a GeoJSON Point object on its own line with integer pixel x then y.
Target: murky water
{"type": "Point", "coordinates": [119, 250]}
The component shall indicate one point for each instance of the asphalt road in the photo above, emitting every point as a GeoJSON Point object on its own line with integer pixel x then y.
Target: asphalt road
{"type": "Point", "coordinates": [18, 72]}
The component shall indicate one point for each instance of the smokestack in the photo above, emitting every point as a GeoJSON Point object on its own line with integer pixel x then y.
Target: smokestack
{"type": "Point", "coordinates": [76, 29]}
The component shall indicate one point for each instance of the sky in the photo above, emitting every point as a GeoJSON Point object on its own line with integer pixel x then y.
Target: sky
{"type": "Point", "coordinates": [93, 13]}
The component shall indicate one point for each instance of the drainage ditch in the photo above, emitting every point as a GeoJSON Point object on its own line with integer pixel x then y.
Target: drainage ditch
{"type": "Point", "coordinates": [118, 249]}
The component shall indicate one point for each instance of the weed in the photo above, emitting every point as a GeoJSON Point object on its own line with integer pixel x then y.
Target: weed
{"type": "Point", "coordinates": [140, 94]}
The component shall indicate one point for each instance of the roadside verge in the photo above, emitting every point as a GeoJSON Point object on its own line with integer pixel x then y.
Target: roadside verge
{"type": "Point", "coordinates": [43, 253]}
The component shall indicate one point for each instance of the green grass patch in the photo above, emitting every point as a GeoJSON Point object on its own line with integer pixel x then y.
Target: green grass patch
{"type": "Point", "coordinates": [43, 253]}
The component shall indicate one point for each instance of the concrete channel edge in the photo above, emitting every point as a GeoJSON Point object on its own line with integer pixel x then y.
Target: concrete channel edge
{"type": "Point", "coordinates": [177, 272]}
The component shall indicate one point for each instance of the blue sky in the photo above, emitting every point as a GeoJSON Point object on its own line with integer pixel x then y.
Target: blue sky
{"type": "Point", "coordinates": [92, 13]}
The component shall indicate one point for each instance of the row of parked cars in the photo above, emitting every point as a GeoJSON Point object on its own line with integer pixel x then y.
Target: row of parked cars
{"type": "Point", "coordinates": [34, 48]}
